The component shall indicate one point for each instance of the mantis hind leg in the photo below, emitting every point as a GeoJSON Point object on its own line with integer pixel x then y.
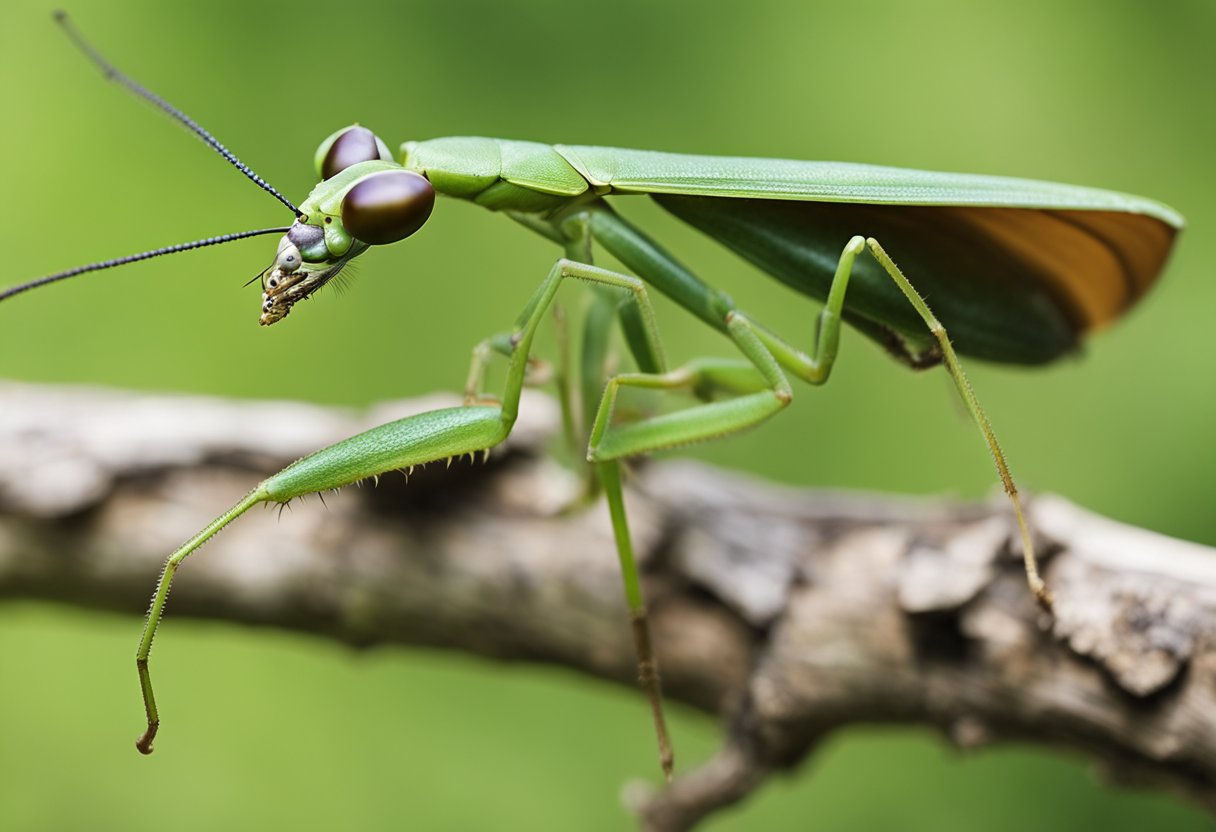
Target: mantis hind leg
{"type": "Point", "coordinates": [817, 368]}
{"type": "Point", "coordinates": [666, 274]}
{"type": "Point", "coordinates": [1041, 593]}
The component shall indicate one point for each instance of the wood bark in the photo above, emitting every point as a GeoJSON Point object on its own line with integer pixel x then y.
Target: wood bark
{"type": "Point", "coordinates": [787, 612]}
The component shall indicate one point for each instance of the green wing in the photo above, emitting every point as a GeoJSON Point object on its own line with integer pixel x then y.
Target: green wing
{"type": "Point", "coordinates": [616, 170]}
{"type": "Point", "coordinates": [1018, 268]}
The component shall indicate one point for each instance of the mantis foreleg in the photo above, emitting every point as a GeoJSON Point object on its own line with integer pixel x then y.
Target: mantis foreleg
{"type": "Point", "coordinates": [416, 440]}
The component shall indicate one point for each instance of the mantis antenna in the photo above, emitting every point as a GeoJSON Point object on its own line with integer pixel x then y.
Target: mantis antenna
{"type": "Point", "coordinates": [113, 74]}
{"type": "Point", "coordinates": [135, 258]}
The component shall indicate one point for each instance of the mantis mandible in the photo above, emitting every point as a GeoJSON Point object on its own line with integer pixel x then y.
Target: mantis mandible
{"type": "Point", "coordinates": [1018, 270]}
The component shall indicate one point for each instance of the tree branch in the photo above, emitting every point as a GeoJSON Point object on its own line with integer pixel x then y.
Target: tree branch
{"type": "Point", "coordinates": [791, 613]}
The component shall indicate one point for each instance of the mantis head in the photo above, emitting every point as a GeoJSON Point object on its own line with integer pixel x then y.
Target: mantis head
{"type": "Point", "coordinates": [364, 199]}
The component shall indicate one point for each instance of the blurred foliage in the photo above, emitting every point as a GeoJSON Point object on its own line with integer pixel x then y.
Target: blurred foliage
{"type": "Point", "coordinates": [275, 731]}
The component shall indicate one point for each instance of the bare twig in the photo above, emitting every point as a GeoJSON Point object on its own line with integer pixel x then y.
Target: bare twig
{"type": "Point", "coordinates": [789, 613]}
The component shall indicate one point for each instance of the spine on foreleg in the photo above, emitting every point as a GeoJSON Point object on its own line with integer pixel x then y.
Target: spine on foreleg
{"type": "Point", "coordinates": [415, 440]}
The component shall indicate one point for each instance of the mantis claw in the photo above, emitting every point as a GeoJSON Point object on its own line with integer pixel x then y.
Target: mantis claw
{"type": "Point", "coordinates": [144, 743]}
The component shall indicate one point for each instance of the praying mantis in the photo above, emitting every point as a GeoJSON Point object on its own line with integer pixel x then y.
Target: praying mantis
{"type": "Point", "coordinates": [1017, 272]}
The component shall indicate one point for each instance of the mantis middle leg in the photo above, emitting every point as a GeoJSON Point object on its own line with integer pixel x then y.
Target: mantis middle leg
{"type": "Point", "coordinates": [758, 390]}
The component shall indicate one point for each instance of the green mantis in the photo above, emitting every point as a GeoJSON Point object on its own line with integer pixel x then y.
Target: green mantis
{"type": "Point", "coordinates": [1017, 271]}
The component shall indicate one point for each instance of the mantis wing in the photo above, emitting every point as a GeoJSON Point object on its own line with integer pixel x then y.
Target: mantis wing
{"type": "Point", "coordinates": [1017, 269]}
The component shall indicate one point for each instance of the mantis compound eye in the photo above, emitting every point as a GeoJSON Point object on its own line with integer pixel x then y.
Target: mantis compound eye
{"type": "Point", "coordinates": [387, 206]}
{"type": "Point", "coordinates": [347, 147]}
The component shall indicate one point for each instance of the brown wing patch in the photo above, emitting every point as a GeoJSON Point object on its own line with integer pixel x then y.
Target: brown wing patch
{"type": "Point", "coordinates": [1098, 263]}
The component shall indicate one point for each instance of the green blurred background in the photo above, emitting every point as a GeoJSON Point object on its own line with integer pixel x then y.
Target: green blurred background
{"type": "Point", "coordinates": [277, 731]}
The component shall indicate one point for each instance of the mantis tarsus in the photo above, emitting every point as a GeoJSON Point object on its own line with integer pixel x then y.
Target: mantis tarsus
{"type": "Point", "coordinates": [1018, 271]}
